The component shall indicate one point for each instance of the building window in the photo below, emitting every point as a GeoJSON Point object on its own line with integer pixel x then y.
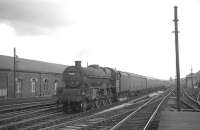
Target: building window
{"type": "Point", "coordinates": [2, 93]}
{"type": "Point", "coordinates": [3, 85]}
{"type": "Point", "coordinates": [33, 85]}
{"type": "Point", "coordinates": [5, 92]}
{"type": "Point", "coordinates": [45, 84]}
{"type": "Point", "coordinates": [18, 86]}
{"type": "Point", "coordinates": [55, 86]}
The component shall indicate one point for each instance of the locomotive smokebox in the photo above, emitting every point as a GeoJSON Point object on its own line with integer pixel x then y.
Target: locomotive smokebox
{"type": "Point", "coordinates": [78, 63]}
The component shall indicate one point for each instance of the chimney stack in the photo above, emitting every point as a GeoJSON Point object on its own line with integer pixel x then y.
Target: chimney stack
{"type": "Point", "coordinates": [78, 63]}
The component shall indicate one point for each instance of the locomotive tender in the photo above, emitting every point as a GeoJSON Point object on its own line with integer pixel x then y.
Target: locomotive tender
{"type": "Point", "coordinates": [95, 86]}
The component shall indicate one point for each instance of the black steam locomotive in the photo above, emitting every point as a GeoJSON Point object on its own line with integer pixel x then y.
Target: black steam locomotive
{"type": "Point", "coordinates": [95, 86]}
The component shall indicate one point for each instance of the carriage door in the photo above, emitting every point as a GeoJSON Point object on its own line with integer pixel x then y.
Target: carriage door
{"type": "Point", "coordinates": [3, 86]}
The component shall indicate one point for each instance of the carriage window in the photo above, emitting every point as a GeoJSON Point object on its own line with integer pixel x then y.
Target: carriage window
{"type": "Point", "coordinates": [18, 86]}
{"type": "Point", "coordinates": [55, 86]}
{"type": "Point", "coordinates": [33, 85]}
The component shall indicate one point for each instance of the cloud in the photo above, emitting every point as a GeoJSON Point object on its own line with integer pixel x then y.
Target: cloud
{"type": "Point", "coordinates": [33, 16]}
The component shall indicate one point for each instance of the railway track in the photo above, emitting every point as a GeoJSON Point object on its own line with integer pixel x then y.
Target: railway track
{"type": "Point", "coordinates": [26, 119]}
{"type": "Point", "coordinates": [190, 101]}
{"type": "Point", "coordinates": [22, 115]}
{"type": "Point", "coordinates": [108, 118]}
{"type": "Point", "coordinates": [10, 101]}
{"type": "Point", "coordinates": [47, 116]}
{"type": "Point", "coordinates": [193, 92]}
{"type": "Point", "coordinates": [16, 113]}
{"type": "Point", "coordinates": [27, 105]}
{"type": "Point", "coordinates": [48, 119]}
{"type": "Point", "coordinates": [67, 117]}
{"type": "Point", "coordinates": [142, 118]}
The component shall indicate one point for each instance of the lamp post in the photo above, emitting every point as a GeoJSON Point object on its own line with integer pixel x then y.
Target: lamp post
{"type": "Point", "coordinates": [177, 57]}
{"type": "Point", "coordinates": [14, 69]}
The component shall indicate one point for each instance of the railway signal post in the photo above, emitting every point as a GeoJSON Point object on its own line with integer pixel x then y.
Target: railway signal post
{"type": "Point", "coordinates": [177, 57]}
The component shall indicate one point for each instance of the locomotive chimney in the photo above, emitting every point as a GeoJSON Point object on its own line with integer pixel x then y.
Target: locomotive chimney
{"type": "Point", "coordinates": [78, 63]}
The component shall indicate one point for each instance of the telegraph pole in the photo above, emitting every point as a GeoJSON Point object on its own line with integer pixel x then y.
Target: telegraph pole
{"type": "Point", "coordinates": [14, 69]}
{"type": "Point", "coordinates": [177, 57]}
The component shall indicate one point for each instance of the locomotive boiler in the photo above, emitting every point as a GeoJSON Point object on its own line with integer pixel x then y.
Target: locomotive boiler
{"type": "Point", "coordinates": [88, 87]}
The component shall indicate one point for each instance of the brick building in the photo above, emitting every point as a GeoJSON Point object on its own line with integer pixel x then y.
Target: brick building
{"type": "Point", "coordinates": [33, 78]}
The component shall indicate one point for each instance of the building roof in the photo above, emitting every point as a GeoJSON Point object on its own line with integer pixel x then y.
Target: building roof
{"type": "Point", "coordinates": [191, 75]}
{"type": "Point", "coordinates": [6, 63]}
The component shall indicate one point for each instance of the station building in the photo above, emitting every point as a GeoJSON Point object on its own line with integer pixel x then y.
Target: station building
{"type": "Point", "coordinates": [32, 78]}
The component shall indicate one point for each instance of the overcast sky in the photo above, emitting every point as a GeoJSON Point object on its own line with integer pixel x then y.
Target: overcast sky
{"type": "Point", "coordinates": [129, 35]}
